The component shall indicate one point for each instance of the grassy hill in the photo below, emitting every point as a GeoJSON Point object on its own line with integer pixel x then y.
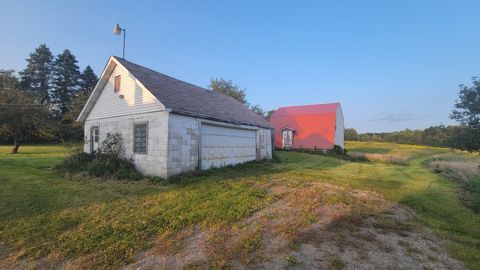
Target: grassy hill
{"type": "Point", "coordinates": [305, 211]}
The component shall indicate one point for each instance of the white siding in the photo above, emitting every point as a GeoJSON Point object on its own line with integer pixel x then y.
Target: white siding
{"type": "Point", "coordinates": [222, 146]}
{"type": "Point", "coordinates": [135, 99]}
{"type": "Point", "coordinates": [152, 163]}
{"type": "Point", "coordinates": [340, 128]}
{"type": "Point", "coordinates": [173, 140]}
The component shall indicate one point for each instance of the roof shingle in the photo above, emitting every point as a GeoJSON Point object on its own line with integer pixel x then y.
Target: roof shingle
{"type": "Point", "coordinates": [188, 99]}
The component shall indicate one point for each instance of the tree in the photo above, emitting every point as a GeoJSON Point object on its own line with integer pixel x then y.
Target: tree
{"type": "Point", "coordinates": [467, 107]}
{"type": "Point", "coordinates": [269, 114]}
{"type": "Point", "coordinates": [66, 81]}
{"type": "Point", "coordinates": [228, 88]}
{"type": "Point", "coordinates": [88, 80]}
{"type": "Point", "coordinates": [21, 114]}
{"type": "Point", "coordinates": [351, 134]}
{"type": "Point", "coordinates": [70, 128]}
{"type": "Point", "coordinates": [258, 110]}
{"type": "Point", "coordinates": [36, 78]}
{"type": "Point", "coordinates": [464, 138]}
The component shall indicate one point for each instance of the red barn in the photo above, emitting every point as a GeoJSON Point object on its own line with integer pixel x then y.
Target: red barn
{"type": "Point", "coordinates": [318, 126]}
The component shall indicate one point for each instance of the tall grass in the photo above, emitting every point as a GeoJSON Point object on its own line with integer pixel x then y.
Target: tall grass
{"type": "Point", "coordinates": [100, 165]}
{"type": "Point", "coordinates": [466, 173]}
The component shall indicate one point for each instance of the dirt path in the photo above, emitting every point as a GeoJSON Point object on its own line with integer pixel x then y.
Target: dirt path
{"type": "Point", "coordinates": [315, 226]}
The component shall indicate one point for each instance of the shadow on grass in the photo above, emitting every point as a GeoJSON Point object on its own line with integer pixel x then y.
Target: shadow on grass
{"type": "Point", "coordinates": [286, 161]}
{"type": "Point", "coordinates": [445, 213]}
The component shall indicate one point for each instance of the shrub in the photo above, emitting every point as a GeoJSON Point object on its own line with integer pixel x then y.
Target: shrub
{"type": "Point", "coordinates": [101, 165]}
{"type": "Point", "coordinates": [338, 150]}
{"type": "Point", "coordinates": [113, 145]}
{"type": "Point", "coordinates": [472, 193]}
{"type": "Point", "coordinates": [108, 162]}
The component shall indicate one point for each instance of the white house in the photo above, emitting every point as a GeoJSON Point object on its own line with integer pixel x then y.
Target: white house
{"type": "Point", "coordinates": [169, 126]}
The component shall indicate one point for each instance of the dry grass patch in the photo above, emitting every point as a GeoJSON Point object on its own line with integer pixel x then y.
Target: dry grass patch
{"type": "Point", "coordinates": [466, 172]}
{"type": "Point", "coordinates": [460, 170]}
{"type": "Point", "coordinates": [315, 226]}
{"type": "Point", "coordinates": [399, 159]}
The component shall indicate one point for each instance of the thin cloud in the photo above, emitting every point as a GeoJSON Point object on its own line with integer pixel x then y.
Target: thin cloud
{"type": "Point", "coordinates": [396, 117]}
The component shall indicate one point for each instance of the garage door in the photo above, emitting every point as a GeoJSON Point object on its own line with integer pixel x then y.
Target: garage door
{"type": "Point", "coordinates": [221, 146]}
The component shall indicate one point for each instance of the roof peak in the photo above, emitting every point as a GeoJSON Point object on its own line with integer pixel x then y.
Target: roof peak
{"type": "Point", "coordinates": [152, 70]}
{"type": "Point", "coordinates": [186, 98]}
{"type": "Point", "coordinates": [312, 105]}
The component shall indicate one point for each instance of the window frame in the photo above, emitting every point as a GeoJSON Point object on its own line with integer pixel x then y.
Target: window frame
{"type": "Point", "coordinates": [115, 88]}
{"type": "Point", "coordinates": [93, 137]}
{"type": "Point", "coordinates": [146, 138]}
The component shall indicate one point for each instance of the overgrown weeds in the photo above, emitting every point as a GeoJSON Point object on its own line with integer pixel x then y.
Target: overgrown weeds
{"type": "Point", "coordinates": [464, 172]}
{"type": "Point", "coordinates": [100, 165]}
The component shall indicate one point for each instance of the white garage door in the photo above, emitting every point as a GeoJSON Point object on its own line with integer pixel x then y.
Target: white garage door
{"type": "Point", "coordinates": [221, 146]}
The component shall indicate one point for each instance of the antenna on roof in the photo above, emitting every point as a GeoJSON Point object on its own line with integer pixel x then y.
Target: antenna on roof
{"type": "Point", "coordinates": [117, 31]}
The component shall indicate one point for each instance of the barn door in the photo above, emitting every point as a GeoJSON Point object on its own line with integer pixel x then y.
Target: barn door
{"type": "Point", "coordinates": [287, 139]}
{"type": "Point", "coordinates": [94, 136]}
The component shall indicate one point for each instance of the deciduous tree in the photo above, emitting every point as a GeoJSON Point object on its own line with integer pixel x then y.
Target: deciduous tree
{"type": "Point", "coordinates": [228, 88]}
{"type": "Point", "coordinates": [21, 114]}
{"type": "Point", "coordinates": [467, 107]}
{"type": "Point", "coordinates": [351, 134]}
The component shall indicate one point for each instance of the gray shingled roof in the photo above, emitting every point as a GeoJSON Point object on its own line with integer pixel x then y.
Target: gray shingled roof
{"type": "Point", "coordinates": [188, 99]}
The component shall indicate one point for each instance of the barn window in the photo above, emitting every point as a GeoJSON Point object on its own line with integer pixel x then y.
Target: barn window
{"type": "Point", "coordinates": [116, 86]}
{"type": "Point", "coordinates": [140, 136]}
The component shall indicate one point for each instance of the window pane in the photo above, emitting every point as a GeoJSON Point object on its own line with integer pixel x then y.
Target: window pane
{"type": "Point", "coordinates": [140, 138]}
{"type": "Point", "coordinates": [116, 86]}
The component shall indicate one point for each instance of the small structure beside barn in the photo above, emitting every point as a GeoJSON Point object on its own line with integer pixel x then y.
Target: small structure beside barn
{"type": "Point", "coordinates": [318, 126]}
{"type": "Point", "coordinates": [169, 126]}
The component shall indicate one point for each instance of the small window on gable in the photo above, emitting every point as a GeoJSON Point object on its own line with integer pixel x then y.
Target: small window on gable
{"type": "Point", "coordinates": [116, 86]}
{"type": "Point", "coordinates": [140, 136]}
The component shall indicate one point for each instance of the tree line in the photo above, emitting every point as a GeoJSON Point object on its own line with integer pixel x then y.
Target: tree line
{"type": "Point", "coordinates": [458, 137]}
{"type": "Point", "coordinates": [43, 101]}
{"type": "Point", "coordinates": [465, 136]}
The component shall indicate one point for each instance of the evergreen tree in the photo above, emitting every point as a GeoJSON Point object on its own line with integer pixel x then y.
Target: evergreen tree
{"type": "Point", "coordinates": [71, 129]}
{"type": "Point", "coordinates": [36, 78]}
{"type": "Point", "coordinates": [88, 80]}
{"type": "Point", "coordinates": [66, 81]}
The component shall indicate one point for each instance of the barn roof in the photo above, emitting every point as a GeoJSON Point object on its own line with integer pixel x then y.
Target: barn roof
{"type": "Point", "coordinates": [307, 109]}
{"type": "Point", "coordinates": [188, 99]}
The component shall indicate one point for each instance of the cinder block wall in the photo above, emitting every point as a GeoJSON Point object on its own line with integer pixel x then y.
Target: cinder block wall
{"type": "Point", "coordinates": [155, 161]}
{"type": "Point", "coordinates": [182, 144]}
{"type": "Point", "coordinates": [264, 137]}
{"type": "Point", "coordinates": [173, 141]}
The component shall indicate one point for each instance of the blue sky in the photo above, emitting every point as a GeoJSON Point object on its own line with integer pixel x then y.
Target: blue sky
{"type": "Point", "coordinates": [392, 64]}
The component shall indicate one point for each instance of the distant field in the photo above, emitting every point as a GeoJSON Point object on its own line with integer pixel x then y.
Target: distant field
{"type": "Point", "coordinates": [269, 214]}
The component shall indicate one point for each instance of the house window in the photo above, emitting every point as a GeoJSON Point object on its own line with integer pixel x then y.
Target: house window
{"type": "Point", "coordinates": [94, 135]}
{"type": "Point", "coordinates": [116, 86]}
{"type": "Point", "coordinates": [140, 136]}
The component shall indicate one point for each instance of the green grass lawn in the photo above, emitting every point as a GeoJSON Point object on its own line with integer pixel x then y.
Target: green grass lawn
{"type": "Point", "coordinates": [103, 223]}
